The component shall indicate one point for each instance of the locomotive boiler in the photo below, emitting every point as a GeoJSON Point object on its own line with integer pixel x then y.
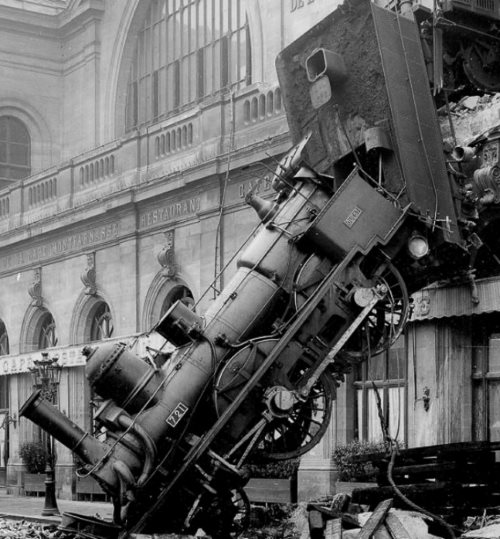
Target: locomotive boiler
{"type": "Point", "coordinates": [364, 212]}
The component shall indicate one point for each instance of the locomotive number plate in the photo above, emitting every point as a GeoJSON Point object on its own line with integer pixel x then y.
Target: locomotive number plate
{"type": "Point", "coordinates": [353, 217]}
{"type": "Point", "coordinates": [178, 413]}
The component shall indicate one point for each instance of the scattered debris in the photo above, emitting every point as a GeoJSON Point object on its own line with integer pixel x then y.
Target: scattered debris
{"type": "Point", "coordinates": [492, 531]}
{"type": "Point", "coordinates": [383, 523]}
{"type": "Point", "coordinates": [276, 521]}
{"type": "Point", "coordinates": [197, 535]}
{"type": "Point", "coordinates": [454, 481]}
{"type": "Point", "coordinates": [469, 102]}
{"type": "Point", "coordinates": [21, 529]}
{"type": "Point", "coordinates": [469, 117]}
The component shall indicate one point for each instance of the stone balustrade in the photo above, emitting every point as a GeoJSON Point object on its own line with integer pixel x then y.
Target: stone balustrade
{"type": "Point", "coordinates": [198, 136]}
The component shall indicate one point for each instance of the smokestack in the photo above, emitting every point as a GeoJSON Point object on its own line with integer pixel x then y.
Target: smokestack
{"type": "Point", "coordinates": [50, 419]}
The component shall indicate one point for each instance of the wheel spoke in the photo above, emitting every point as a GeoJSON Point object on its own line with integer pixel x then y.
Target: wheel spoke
{"type": "Point", "coordinates": [298, 432]}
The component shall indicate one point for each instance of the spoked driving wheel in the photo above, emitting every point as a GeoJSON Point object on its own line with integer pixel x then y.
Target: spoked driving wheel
{"type": "Point", "coordinates": [226, 516]}
{"type": "Point", "coordinates": [386, 320]}
{"type": "Point", "coordinates": [482, 65]}
{"type": "Point", "coordinates": [295, 432]}
{"type": "Point", "coordinates": [284, 425]}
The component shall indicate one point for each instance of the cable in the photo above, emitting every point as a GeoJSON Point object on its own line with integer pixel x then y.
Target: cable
{"type": "Point", "coordinates": [394, 450]}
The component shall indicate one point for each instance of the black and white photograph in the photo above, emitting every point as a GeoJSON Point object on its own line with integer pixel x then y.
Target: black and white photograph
{"type": "Point", "coordinates": [249, 269]}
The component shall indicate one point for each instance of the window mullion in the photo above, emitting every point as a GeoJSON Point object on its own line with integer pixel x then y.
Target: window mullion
{"type": "Point", "coordinates": [197, 43]}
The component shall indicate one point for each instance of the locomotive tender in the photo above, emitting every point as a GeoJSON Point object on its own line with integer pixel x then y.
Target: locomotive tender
{"type": "Point", "coordinates": [366, 210]}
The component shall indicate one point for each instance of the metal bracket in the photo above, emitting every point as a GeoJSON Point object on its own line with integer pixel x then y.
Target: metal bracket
{"type": "Point", "coordinates": [379, 292]}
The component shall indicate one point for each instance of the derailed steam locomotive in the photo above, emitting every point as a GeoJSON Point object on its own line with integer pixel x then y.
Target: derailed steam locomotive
{"type": "Point", "coordinates": [365, 212]}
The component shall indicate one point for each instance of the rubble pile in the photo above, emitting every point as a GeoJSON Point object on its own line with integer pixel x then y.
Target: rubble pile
{"type": "Point", "coordinates": [484, 526]}
{"type": "Point", "coordinates": [23, 529]}
{"type": "Point", "coordinates": [338, 518]}
{"type": "Point", "coordinates": [326, 520]}
{"type": "Point", "coordinates": [332, 517]}
{"type": "Point", "coordinates": [470, 116]}
{"type": "Point", "coordinates": [276, 521]}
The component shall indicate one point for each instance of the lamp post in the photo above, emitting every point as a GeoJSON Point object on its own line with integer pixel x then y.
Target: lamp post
{"type": "Point", "coordinates": [46, 374]}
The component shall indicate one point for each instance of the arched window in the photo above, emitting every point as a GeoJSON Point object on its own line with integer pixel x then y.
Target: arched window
{"type": "Point", "coordinates": [15, 150]}
{"type": "Point", "coordinates": [102, 323]}
{"type": "Point", "coordinates": [47, 334]}
{"type": "Point", "coordinates": [186, 50]}
{"type": "Point", "coordinates": [177, 292]}
{"type": "Point", "coordinates": [4, 340]}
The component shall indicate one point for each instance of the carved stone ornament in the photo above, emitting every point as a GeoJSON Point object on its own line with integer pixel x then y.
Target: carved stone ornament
{"type": "Point", "coordinates": [88, 276]}
{"type": "Point", "coordinates": [422, 305]}
{"type": "Point", "coordinates": [35, 289]}
{"type": "Point", "coordinates": [166, 257]}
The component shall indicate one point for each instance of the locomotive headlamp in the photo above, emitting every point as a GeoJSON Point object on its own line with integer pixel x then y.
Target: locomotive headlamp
{"type": "Point", "coordinates": [418, 246]}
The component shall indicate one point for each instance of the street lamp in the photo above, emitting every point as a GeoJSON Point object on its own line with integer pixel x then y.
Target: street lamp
{"type": "Point", "coordinates": [46, 374]}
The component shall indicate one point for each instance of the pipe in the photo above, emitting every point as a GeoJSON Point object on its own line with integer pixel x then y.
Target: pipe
{"type": "Point", "coordinates": [463, 153]}
{"type": "Point", "coordinates": [146, 442]}
{"type": "Point", "coordinates": [50, 419]}
{"type": "Point", "coordinates": [98, 456]}
{"type": "Point", "coordinates": [127, 485]}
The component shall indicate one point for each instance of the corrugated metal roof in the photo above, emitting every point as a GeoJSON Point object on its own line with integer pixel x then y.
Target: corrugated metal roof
{"type": "Point", "coordinates": [442, 301]}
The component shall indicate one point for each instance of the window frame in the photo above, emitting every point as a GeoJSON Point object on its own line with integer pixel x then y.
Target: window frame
{"type": "Point", "coordinates": [101, 317]}
{"type": "Point", "coordinates": [172, 69]}
{"type": "Point", "coordinates": [4, 340]}
{"type": "Point", "coordinates": [8, 143]}
{"type": "Point", "coordinates": [47, 335]}
{"type": "Point", "coordinates": [364, 391]}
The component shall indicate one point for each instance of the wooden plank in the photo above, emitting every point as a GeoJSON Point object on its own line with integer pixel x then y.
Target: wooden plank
{"type": "Point", "coordinates": [460, 387]}
{"type": "Point", "coordinates": [316, 524]}
{"type": "Point", "coordinates": [423, 491]}
{"type": "Point", "coordinates": [349, 522]}
{"type": "Point", "coordinates": [469, 451]}
{"type": "Point", "coordinates": [375, 520]}
{"type": "Point", "coordinates": [424, 469]}
{"type": "Point", "coordinates": [395, 527]}
{"type": "Point", "coordinates": [333, 529]}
